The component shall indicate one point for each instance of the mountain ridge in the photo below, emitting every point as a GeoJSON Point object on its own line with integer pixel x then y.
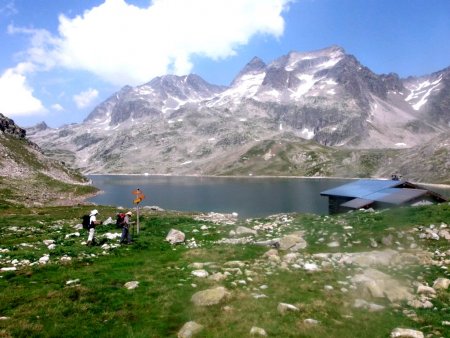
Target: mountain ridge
{"type": "Point", "coordinates": [183, 124]}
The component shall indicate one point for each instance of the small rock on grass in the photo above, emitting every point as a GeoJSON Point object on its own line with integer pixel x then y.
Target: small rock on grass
{"type": "Point", "coordinates": [131, 285]}
{"type": "Point", "coordinates": [189, 329]}
{"type": "Point", "coordinates": [406, 333]}
{"type": "Point", "coordinates": [257, 331]}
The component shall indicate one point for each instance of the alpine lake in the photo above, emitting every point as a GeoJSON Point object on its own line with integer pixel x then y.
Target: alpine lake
{"type": "Point", "coordinates": [249, 197]}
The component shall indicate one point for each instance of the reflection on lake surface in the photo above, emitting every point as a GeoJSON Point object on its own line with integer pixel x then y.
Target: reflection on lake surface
{"type": "Point", "coordinates": [249, 197]}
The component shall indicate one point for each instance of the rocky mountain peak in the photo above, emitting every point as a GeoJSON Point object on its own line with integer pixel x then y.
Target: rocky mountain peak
{"type": "Point", "coordinates": [254, 67]}
{"type": "Point", "coordinates": [183, 124]}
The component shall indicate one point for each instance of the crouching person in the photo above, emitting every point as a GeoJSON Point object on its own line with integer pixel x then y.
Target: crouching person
{"type": "Point", "coordinates": [93, 222]}
{"type": "Point", "coordinates": [126, 224]}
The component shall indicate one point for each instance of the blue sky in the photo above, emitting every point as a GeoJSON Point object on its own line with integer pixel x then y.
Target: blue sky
{"type": "Point", "coordinates": [59, 59]}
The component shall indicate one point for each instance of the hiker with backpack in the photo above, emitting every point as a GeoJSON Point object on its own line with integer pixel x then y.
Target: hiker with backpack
{"type": "Point", "coordinates": [91, 226]}
{"type": "Point", "coordinates": [125, 223]}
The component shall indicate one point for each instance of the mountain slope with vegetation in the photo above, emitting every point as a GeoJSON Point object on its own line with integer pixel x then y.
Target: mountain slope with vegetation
{"type": "Point", "coordinates": [292, 156]}
{"type": "Point", "coordinates": [28, 177]}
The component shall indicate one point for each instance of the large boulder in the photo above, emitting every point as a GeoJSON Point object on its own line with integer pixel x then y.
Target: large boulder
{"type": "Point", "coordinates": [293, 242]}
{"type": "Point", "coordinates": [376, 284]}
{"type": "Point", "coordinates": [175, 236]}
{"type": "Point", "coordinates": [210, 296]}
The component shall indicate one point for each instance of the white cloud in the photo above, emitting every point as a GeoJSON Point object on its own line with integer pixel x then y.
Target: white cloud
{"type": "Point", "coordinates": [57, 107]}
{"type": "Point", "coordinates": [85, 98]}
{"type": "Point", "coordinates": [125, 44]}
{"type": "Point", "coordinates": [16, 97]}
{"type": "Point", "coordinates": [8, 8]}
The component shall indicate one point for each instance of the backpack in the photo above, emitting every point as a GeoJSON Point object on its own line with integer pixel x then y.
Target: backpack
{"type": "Point", "coordinates": [85, 222]}
{"type": "Point", "coordinates": [120, 219]}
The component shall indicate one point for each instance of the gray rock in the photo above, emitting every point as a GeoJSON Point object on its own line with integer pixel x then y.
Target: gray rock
{"type": "Point", "coordinates": [425, 290]}
{"type": "Point", "coordinates": [441, 284]}
{"type": "Point", "coordinates": [210, 296]}
{"type": "Point", "coordinates": [240, 230]}
{"type": "Point", "coordinates": [175, 236]}
{"type": "Point", "coordinates": [420, 304]}
{"type": "Point", "coordinates": [293, 242]}
{"type": "Point", "coordinates": [372, 307]}
{"type": "Point", "coordinates": [218, 276]}
{"type": "Point", "coordinates": [377, 284]}
{"type": "Point", "coordinates": [387, 240]}
{"type": "Point", "coordinates": [189, 330]}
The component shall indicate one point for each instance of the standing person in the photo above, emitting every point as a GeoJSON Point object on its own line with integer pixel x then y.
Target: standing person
{"type": "Point", "coordinates": [126, 236]}
{"type": "Point", "coordinates": [92, 224]}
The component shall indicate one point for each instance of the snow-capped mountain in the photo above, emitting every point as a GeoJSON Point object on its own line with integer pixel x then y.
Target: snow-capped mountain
{"type": "Point", "coordinates": [182, 124]}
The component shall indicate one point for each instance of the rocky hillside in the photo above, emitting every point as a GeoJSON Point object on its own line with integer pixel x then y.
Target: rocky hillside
{"type": "Point", "coordinates": [184, 125]}
{"type": "Point", "coordinates": [28, 177]}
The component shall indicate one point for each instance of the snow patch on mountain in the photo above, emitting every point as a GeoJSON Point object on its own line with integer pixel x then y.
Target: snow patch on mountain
{"type": "Point", "coordinates": [421, 91]}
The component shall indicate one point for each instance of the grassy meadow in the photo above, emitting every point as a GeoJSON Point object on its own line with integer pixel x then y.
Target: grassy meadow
{"type": "Point", "coordinates": [81, 291]}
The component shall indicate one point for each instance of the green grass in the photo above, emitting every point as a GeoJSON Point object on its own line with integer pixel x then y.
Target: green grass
{"type": "Point", "coordinates": [40, 304]}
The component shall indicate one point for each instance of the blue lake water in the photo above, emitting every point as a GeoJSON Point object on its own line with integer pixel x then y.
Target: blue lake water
{"type": "Point", "coordinates": [249, 197]}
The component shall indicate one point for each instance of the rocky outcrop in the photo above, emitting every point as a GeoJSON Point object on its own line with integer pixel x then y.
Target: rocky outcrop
{"type": "Point", "coordinates": [8, 126]}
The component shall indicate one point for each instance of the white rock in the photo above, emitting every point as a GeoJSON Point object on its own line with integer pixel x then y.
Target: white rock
{"type": "Point", "coordinates": [285, 307]}
{"type": "Point", "coordinates": [47, 242]}
{"type": "Point", "coordinates": [310, 267]}
{"type": "Point", "coordinates": [189, 329]}
{"type": "Point", "coordinates": [112, 235]}
{"type": "Point", "coordinates": [426, 290]}
{"type": "Point", "coordinates": [406, 333]}
{"type": "Point", "coordinates": [131, 285]}
{"type": "Point", "coordinates": [200, 273]}
{"type": "Point", "coordinates": [72, 281]}
{"type": "Point", "coordinates": [257, 331]}
{"type": "Point", "coordinates": [218, 276]}
{"type": "Point", "coordinates": [108, 221]}
{"type": "Point", "coordinates": [44, 259]}
{"type": "Point", "coordinates": [441, 284]}
{"type": "Point", "coordinates": [74, 234]}
{"type": "Point", "coordinates": [12, 268]}
{"type": "Point", "coordinates": [311, 321]}
{"type": "Point", "coordinates": [334, 244]}
{"type": "Point", "coordinates": [51, 246]}
{"type": "Point", "coordinates": [175, 236]}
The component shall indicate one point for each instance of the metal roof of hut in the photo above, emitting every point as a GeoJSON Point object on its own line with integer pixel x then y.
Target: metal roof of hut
{"type": "Point", "coordinates": [366, 192]}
